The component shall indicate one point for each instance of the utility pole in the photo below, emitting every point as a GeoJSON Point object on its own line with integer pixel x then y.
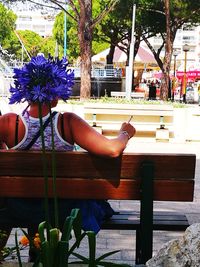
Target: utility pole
{"type": "Point", "coordinates": [65, 32]}
{"type": "Point", "coordinates": [129, 68]}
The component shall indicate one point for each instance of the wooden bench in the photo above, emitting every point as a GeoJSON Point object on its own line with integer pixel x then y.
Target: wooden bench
{"type": "Point", "coordinates": [80, 175]}
{"type": "Point", "coordinates": [137, 95]}
{"type": "Point", "coordinates": [147, 119]}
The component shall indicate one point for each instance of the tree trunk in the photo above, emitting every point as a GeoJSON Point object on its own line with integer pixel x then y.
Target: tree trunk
{"type": "Point", "coordinates": [109, 57]}
{"type": "Point", "coordinates": [164, 95]}
{"type": "Point", "coordinates": [85, 40]}
{"type": "Point", "coordinates": [165, 91]}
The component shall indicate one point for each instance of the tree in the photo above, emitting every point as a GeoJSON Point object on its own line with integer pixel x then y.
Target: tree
{"type": "Point", "coordinates": [81, 12]}
{"type": "Point", "coordinates": [153, 18]}
{"type": "Point", "coordinates": [115, 28]}
{"type": "Point", "coordinates": [32, 42]}
{"type": "Point", "coordinates": [7, 22]}
{"type": "Point", "coordinates": [73, 51]}
{"type": "Point", "coordinates": [85, 26]}
{"type": "Point", "coordinates": [170, 16]}
{"type": "Point", "coordinates": [165, 92]}
{"type": "Point", "coordinates": [12, 45]}
{"type": "Point", "coordinates": [48, 46]}
{"type": "Point", "coordinates": [7, 25]}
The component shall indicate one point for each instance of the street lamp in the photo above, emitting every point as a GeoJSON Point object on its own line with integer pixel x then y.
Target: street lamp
{"type": "Point", "coordinates": [186, 48]}
{"type": "Point", "coordinates": [175, 54]}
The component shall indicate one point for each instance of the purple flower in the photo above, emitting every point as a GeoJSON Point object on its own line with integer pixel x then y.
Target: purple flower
{"type": "Point", "coordinates": [42, 80]}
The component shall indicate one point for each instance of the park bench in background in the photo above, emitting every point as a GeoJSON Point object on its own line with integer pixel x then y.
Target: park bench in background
{"type": "Point", "coordinates": [80, 175]}
{"type": "Point", "coordinates": [137, 95]}
{"type": "Point", "coordinates": [148, 120]}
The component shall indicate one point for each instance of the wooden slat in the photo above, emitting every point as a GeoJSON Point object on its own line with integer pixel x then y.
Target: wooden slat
{"type": "Point", "coordinates": [161, 221]}
{"type": "Point", "coordinates": [118, 124]}
{"type": "Point", "coordinates": [128, 112]}
{"type": "Point", "coordinates": [85, 165]}
{"type": "Point", "coordinates": [97, 188]}
{"type": "Point", "coordinates": [167, 166]}
{"type": "Point", "coordinates": [128, 106]}
{"type": "Point", "coordinates": [129, 221]}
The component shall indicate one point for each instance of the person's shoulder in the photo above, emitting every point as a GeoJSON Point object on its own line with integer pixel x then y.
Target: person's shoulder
{"type": "Point", "coordinates": [8, 118]}
{"type": "Point", "coordinates": [70, 115]}
{"type": "Point", "coordinates": [9, 115]}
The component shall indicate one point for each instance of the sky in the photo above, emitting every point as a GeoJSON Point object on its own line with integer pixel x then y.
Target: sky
{"type": "Point", "coordinates": [26, 5]}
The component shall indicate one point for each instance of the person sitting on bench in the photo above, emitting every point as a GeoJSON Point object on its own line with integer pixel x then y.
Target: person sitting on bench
{"type": "Point", "coordinates": [18, 131]}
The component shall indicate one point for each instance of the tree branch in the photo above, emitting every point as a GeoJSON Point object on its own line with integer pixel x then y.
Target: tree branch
{"type": "Point", "coordinates": [44, 5]}
{"type": "Point", "coordinates": [74, 8]}
{"type": "Point", "coordinates": [62, 8]}
{"type": "Point", "coordinates": [156, 55]}
{"type": "Point", "coordinates": [104, 12]}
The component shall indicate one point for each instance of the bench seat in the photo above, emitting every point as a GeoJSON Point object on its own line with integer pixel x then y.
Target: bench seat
{"type": "Point", "coordinates": [166, 221]}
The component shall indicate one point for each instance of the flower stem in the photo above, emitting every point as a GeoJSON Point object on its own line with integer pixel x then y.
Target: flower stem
{"type": "Point", "coordinates": [45, 172]}
{"type": "Point", "coordinates": [54, 170]}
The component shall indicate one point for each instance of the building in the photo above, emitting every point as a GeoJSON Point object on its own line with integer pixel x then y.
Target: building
{"type": "Point", "coordinates": [185, 35]}
{"type": "Point", "coordinates": [36, 22]}
{"type": "Point", "coordinates": [36, 18]}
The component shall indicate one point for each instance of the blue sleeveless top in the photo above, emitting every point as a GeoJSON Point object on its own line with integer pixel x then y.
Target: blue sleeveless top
{"type": "Point", "coordinates": [93, 212]}
{"type": "Point", "coordinates": [32, 126]}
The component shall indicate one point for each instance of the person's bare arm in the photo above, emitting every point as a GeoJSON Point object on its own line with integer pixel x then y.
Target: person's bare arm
{"type": "Point", "coordinates": [92, 141]}
{"type": "Point", "coordinates": [3, 127]}
{"type": "Point", "coordinates": [7, 128]}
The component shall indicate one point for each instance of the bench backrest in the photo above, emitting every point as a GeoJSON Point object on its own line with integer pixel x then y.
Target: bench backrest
{"type": "Point", "coordinates": [82, 175]}
{"type": "Point", "coordinates": [123, 94]}
{"type": "Point", "coordinates": [115, 112]}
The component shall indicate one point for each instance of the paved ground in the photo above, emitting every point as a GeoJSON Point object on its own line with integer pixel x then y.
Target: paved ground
{"type": "Point", "coordinates": [125, 240]}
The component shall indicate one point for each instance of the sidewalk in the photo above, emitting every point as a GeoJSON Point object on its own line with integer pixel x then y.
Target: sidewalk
{"type": "Point", "coordinates": [125, 240]}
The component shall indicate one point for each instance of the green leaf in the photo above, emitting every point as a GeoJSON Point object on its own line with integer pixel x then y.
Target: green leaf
{"type": "Point", "coordinates": [77, 225]}
{"type": "Point", "coordinates": [41, 230]}
{"type": "Point", "coordinates": [18, 250]}
{"type": "Point", "coordinates": [92, 247]}
{"type": "Point", "coordinates": [67, 228]}
{"type": "Point", "coordinates": [81, 257]}
{"type": "Point", "coordinates": [54, 237]}
{"type": "Point", "coordinates": [72, 222]}
{"type": "Point", "coordinates": [63, 247]}
{"type": "Point", "coordinates": [53, 246]}
{"type": "Point", "coordinates": [107, 255]}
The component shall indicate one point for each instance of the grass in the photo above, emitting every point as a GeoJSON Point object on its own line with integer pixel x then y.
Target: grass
{"type": "Point", "coordinates": [118, 100]}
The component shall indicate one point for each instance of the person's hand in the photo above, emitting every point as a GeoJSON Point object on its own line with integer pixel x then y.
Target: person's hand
{"type": "Point", "coordinates": [129, 128]}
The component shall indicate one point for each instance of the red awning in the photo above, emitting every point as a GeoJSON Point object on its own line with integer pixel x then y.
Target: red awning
{"type": "Point", "coordinates": [192, 74]}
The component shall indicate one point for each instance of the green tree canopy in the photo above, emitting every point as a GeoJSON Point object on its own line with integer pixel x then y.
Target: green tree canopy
{"type": "Point", "coordinates": [7, 22]}
{"type": "Point", "coordinates": [81, 13]}
{"type": "Point", "coordinates": [150, 21]}
{"type": "Point", "coordinates": [73, 49]}
{"type": "Point", "coordinates": [31, 41]}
